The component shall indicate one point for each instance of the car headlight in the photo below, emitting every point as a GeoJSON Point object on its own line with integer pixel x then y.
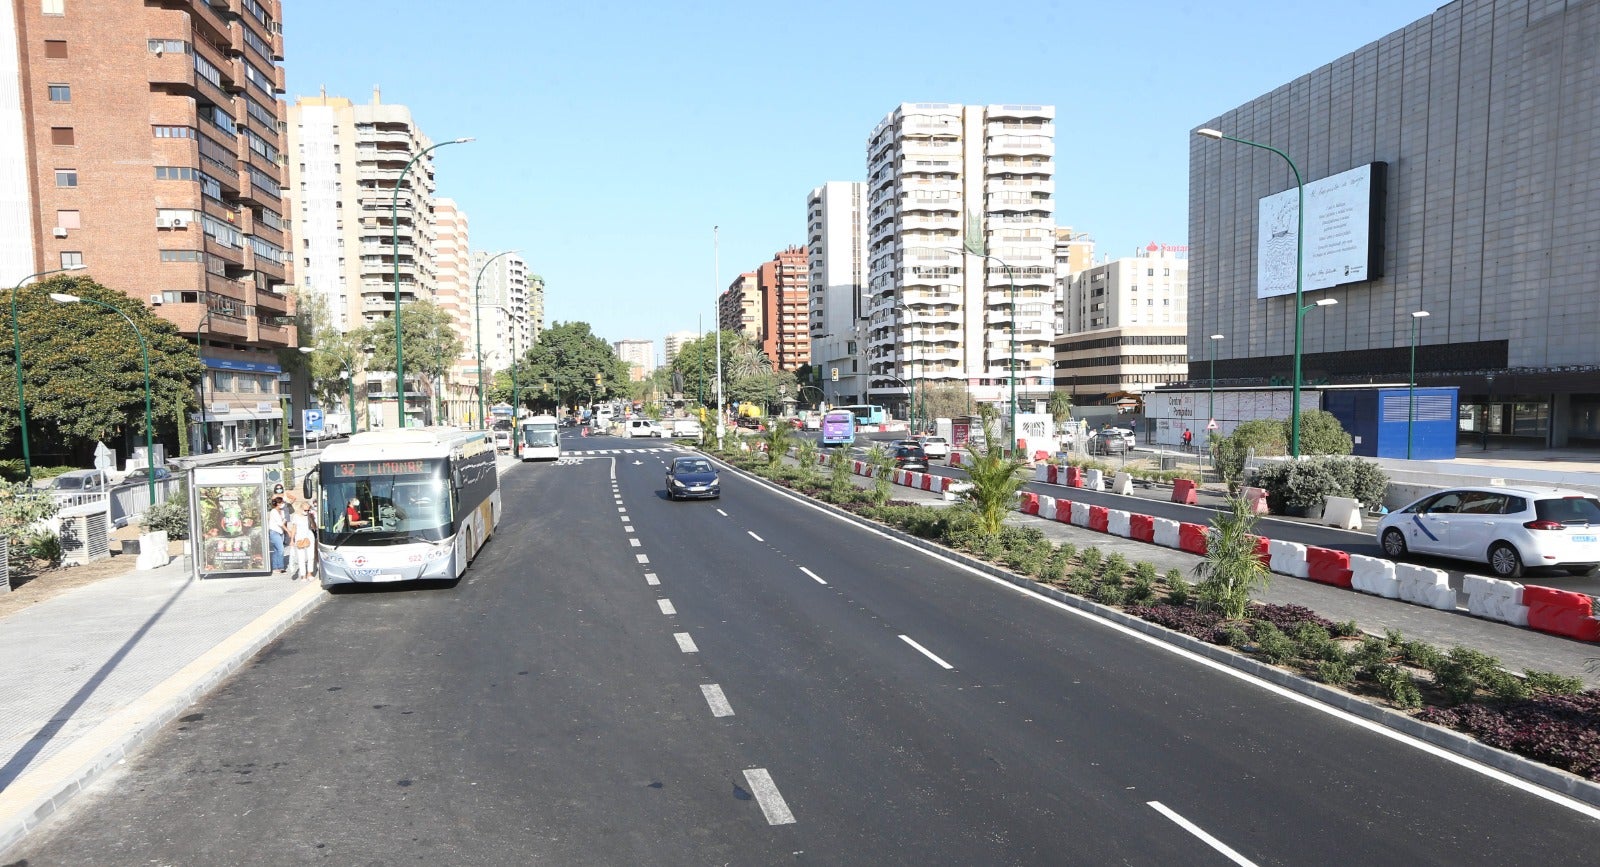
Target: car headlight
{"type": "Point", "coordinates": [677, 483]}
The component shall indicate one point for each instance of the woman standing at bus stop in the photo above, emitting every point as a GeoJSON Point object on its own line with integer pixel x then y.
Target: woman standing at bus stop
{"type": "Point", "coordinates": [301, 551]}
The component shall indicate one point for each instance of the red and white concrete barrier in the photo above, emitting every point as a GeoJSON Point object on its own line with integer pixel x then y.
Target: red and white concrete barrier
{"type": "Point", "coordinates": [1420, 585]}
{"type": "Point", "coordinates": [1495, 599]}
{"type": "Point", "coordinates": [1373, 575]}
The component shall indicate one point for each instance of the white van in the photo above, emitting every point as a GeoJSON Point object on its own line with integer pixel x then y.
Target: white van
{"type": "Point", "coordinates": [643, 427]}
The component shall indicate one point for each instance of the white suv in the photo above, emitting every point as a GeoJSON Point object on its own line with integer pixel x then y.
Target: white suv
{"type": "Point", "coordinates": [1507, 528]}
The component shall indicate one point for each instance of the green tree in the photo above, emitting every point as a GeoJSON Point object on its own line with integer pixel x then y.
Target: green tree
{"type": "Point", "coordinates": [1231, 569]}
{"type": "Point", "coordinates": [83, 373]}
{"type": "Point", "coordinates": [944, 400]}
{"type": "Point", "coordinates": [431, 344]}
{"type": "Point", "coordinates": [580, 367]}
{"type": "Point", "coordinates": [994, 485]}
{"type": "Point", "coordinates": [1321, 434]}
{"type": "Point", "coordinates": [335, 354]}
{"type": "Point", "coordinates": [1060, 406]}
{"type": "Point", "coordinates": [1261, 437]}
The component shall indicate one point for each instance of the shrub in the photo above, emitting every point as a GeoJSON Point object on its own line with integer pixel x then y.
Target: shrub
{"type": "Point", "coordinates": [12, 469]}
{"type": "Point", "coordinates": [1107, 593]}
{"type": "Point", "coordinates": [840, 488]}
{"type": "Point", "coordinates": [1178, 590]}
{"type": "Point", "coordinates": [995, 484]}
{"type": "Point", "coordinates": [1420, 654]}
{"type": "Point", "coordinates": [1080, 582]}
{"type": "Point", "coordinates": [1144, 570]}
{"type": "Point", "coordinates": [805, 454]}
{"type": "Point", "coordinates": [1398, 686]}
{"type": "Point", "coordinates": [1116, 568]}
{"type": "Point", "coordinates": [1336, 672]}
{"type": "Point", "coordinates": [1231, 570]}
{"type": "Point", "coordinates": [1321, 434]}
{"type": "Point", "coordinates": [44, 545]}
{"type": "Point", "coordinates": [882, 465]}
{"type": "Point", "coordinates": [1143, 588]}
{"type": "Point", "coordinates": [1549, 683]}
{"type": "Point", "coordinates": [1289, 617]}
{"type": "Point", "coordinates": [20, 508]}
{"type": "Point", "coordinates": [1460, 673]}
{"type": "Point", "coordinates": [1236, 637]}
{"type": "Point", "coordinates": [1090, 558]}
{"type": "Point", "coordinates": [1314, 642]}
{"type": "Point", "coordinates": [1204, 625]}
{"type": "Point", "coordinates": [1305, 484]}
{"type": "Point", "coordinates": [1557, 730]}
{"type": "Point", "coordinates": [1271, 643]}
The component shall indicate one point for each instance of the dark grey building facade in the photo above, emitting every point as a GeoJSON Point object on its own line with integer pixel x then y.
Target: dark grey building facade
{"type": "Point", "coordinates": [1487, 116]}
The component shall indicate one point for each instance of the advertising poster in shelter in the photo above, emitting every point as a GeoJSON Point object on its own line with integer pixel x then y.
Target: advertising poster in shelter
{"type": "Point", "coordinates": [227, 509]}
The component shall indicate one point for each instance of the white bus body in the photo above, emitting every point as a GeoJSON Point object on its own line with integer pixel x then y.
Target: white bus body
{"type": "Point", "coordinates": [540, 438]}
{"type": "Point", "coordinates": [404, 505]}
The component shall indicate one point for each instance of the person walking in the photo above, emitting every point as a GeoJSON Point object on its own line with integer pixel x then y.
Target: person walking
{"type": "Point", "coordinates": [301, 552]}
{"type": "Point", "coordinates": [1188, 439]}
{"type": "Point", "coordinates": [277, 530]}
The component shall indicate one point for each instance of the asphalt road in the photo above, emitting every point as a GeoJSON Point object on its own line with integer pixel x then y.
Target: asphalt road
{"type": "Point", "coordinates": [622, 680]}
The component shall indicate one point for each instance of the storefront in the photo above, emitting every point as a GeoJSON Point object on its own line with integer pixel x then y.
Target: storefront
{"type": "Point", "coordinates": [240, 407]}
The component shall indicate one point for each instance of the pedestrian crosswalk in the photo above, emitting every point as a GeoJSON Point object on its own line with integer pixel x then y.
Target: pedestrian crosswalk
{"type": "Point", "coordinates": [655, 451]}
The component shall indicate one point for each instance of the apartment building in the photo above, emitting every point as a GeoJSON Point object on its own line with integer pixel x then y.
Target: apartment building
{"type": "Point", "coordinates": [454, 395]}
{"type": "Point", "coordinates": [1126, 325]}
{"type": "Point", "coordinates": [739, 307]}
{"type": "Point", "coordinates": [345, 166]}
{"type": "Point", "coordinates": [675, 341]}
{"type": "Point", "coordinates": [938, 173]}
{"type": "Point", "coordinates": [639, 355]}
{"type": "Point", "coordinates": [785, 323]}
{"type": "Point", "coordinates": [142, 142]}
{"type": "Point", "coordinates": [836, 242]}
{"type": "Point", "coordinates": [510, 309]}
{"type": "Point", "coordinates": [1074, 253]}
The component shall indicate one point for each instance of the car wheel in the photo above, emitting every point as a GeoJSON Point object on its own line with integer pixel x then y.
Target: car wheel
{"type": "Point", "coordinates": [1394, 544]}
{"type": "Point", "coordinates": [1505, 562]}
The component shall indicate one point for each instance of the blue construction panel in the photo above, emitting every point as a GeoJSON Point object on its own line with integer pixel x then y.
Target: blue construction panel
{"type": "Point", "coordinates": [1380, 418]}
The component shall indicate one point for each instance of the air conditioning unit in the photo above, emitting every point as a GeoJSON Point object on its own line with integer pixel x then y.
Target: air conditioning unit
{"type": "Point", "coordinates": [84, 534]}
{"type": "Point", "coordinates": [59, 232]}
{"type": "Point", "coordinates": [178, 222]}
{"type": "Point", "coordinates": [155, 298]}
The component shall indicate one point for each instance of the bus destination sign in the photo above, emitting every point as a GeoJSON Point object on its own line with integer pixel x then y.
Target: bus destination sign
{"type": "Point", "coordinates": [362, 469]}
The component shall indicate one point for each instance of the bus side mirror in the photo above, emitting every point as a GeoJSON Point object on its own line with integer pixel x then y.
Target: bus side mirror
{"type": "Point", "coordinates": [309, 486]}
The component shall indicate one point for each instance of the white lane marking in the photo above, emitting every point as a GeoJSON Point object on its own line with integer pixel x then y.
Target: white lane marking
{"type": "Point", "coordinates": [641, 558]}
{"type": "Point", "coordinates": [634, 542]}
{"type": "Point", "coordinates": [1194, 829]}
{"type": "Point", "coordinates": [766, 792]}
{"type": "Point", "coordinates": [715, 698]}
{"type": "Point", "coordinates": [754, 536]}
{"type": "Point", "coordinates": [626, 519]}
{"type": "Point", "coordinates": [813, 575]}
{"type": "Point", "coordinates": [628, 529]}
{"type": "Point", "coordinates": [651, 579]}
{"type": "Point", "coordinates": [666, 606]}
{"type": "Point", "coordinates": [685, 642]}
{"type": "Point", "coordinates": [925, 652]}
{"type": "Point", "coordinates": [621, 509]}
{"type": "Point", "coordinates": [722, 513]}
{"type": "Point", "coordinates": [1537, 791]}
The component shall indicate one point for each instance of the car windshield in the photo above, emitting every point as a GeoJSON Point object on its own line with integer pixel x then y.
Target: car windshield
{"type": "Point", "coordinates": [71, 483]}
{"type": "Point", "coordinates": [692, 467]}
{"type": "Point", "coordinates": [1569, 510]}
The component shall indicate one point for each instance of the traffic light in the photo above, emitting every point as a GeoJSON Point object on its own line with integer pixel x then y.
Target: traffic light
{"type": "Point", "coordinates": [597, 379]}
{"type": "Point", "coordinates": [833, 373]}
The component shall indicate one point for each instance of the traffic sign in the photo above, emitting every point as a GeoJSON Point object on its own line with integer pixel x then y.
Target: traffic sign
{"type": "Point", "coordinates": [313, 421]}
{"type": "Point", "coordinates": [1211, 425]}
{"type": "Point", "coordinates": [104, 458]}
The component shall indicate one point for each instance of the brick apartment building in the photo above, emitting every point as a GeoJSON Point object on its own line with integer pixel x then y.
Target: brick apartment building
{"type": "Point", "coordinates": [785, 309]}
{"type": "Point", "coordinates": [142, 139]}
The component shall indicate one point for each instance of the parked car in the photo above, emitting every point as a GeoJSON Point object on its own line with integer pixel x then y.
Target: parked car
{"type": "Point", "coordinates": [936, 447]}
{"type": "Point", "coordinates": [687, 428]}
{"type": "Point", "coordinates": [1110, 441]}
{"type": "Point", "coordinates": [910, 457]}
{"type": "Point", "coordinates": [139, 475]}
{"type": "Point", "coordinates": [691, 478]}
{"type": "Point", "coordinates": [1507, 528]}
{"type": "Point", "coordinates": [77, 481]}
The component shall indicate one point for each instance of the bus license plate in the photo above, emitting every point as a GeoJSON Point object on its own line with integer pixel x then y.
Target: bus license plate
{"type": "Point", "coordinates": [388, 576]}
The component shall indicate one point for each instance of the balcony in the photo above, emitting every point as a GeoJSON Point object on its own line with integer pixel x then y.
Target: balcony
{"type": "Point", "coordinates": [935, 222]}
{"type": "Point", "coordinates": [272, 304]}
{"type": "Point", "coordinates": [1020, 146]}
{"type": "Point", "coordinates": [274, 335]}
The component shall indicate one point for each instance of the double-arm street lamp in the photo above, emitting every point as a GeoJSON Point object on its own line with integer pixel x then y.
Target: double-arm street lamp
{"type": "Point", "coordinates": [477, 329]}
{"type": "Point", "coordinates": [144, 356]}
{"type": "Point", "coordinates": [1411, 388]}
{"type": "Point", "coordinates": [16, 359]}
{"type": "Point", "coordinates": [394, 223]}
{"type": "Point", "coordinates": [1299, 277]}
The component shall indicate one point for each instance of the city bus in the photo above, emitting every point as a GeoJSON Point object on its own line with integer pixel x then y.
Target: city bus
{"type": "Point", "coordinates": [540, 437]}
{"type": "Point", "coordinates": [404, 505]}
{"type": "Point", "coordinates": [869, 413]}
{"type": "Point", "coordinates": [838, 428]}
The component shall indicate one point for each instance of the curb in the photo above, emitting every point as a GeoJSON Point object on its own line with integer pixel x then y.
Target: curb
{"type": "Point", "coordinates": [44, 790]}
{"type": "Point", "coordinates": [1544, 776]}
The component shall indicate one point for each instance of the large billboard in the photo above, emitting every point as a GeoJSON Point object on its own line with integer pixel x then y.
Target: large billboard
{"type": "Point", "coordinates": [1343, 232]}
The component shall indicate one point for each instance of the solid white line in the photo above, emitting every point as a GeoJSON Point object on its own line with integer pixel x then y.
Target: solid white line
{"type": "Point", "coordinates": [641, 558]}
{"type": "Point", "coordinates": [1400, 737]}
{"type": "Point", "coordinates": [634, 542]}
{"type": "Point", "coordinates": [666, 606]}
{"type": "Point", "coordinates": [766, 792]}
{"type": "Point", "coordinates": [722, 513]}
{"type": "Point", "coordinates": [651, 579]}
{"type": "Point", "coordinates": [715, 698]}
{"type": "Point", "coordinates": [813, 575]}
{"type": "Point", "coordinates": [1209, 840]}
{"type": "Point", "coordinates": [754, 536]}
{"type": "Point", "coordinates": [685, 642]}
{"type": "Point", "coordinates": [924, 651]}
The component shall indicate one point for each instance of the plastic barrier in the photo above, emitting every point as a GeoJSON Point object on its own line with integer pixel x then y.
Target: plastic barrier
{"type": "Point", "coordinates": [955, 459]}
{"type": "Point", "coordinates": [944, 483]}
{"type": "Point", "coordinates": [1142, 528]}
{"type": "Point", "coordinates": [1117, 523]}
{"type": "Point", "coordinates": [1327, 566]}
{"type": "Point", "coordinates": [1044, 473]}
{"type": "Point", "coordinates": [1420, 585]}
{"type": "Point", "coordinates": [1097, 518]}
{"type": "Point", "coordinates": [1561, 612]}
{"type": "Point", "coordinates": [1342, 512]}
{"type": "Point", "coordinates": [1256, 498]}
{"type": "Point", "coordinates": [1047, 507]}
{"type": "Point", "coordinates": [1040, 455]}
{"type": "Point", "coordinates": [1166, 534]}
{"type": "Point", "coordinates": [1094, 480]}
{"type": "Point", "coordinates": [1287, 558]}
{"type": "Point", "coordinates": [1030, 503]}
{"type": "Point", "coordinates": [1192, 538]}
{"type": "Point", "coordinates": [1074, 477]}
{"type": "Point", "coordinates": [1264, 552]}
{"type": "Point", "coordinates": [1495, 599]}
{"type": "Point", "coordinates": [1080, 514]}
{"type": "Point", "coordinates": [1183, 491]}
{"type": "Point", "coordinates": [1373, 575]}
{"type": "Point", "coordinates": [1122, 484]}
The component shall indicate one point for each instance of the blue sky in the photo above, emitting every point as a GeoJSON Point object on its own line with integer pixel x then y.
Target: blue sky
{"type": "Point", "coordinates": [611, 136]}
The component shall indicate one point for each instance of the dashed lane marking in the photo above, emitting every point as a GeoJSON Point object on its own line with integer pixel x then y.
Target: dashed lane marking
{"type": "Point", "coordinates": [813, 575]}
{"type": "Point", "coordinates": [717, 701]}
{"type": "Point", "coordinates": [685, 642]}
{"type": "Point", "coordinates": [1196, 830]}
{"type": "Point", "coordinates": [766, 792]}
{"type": "Point", "coordinates": [926, 652]}
{"type": "Point", "coordinates": [666, 606]}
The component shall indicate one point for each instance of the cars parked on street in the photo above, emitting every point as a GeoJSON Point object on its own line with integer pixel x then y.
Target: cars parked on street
{"type": "Point", "coordinates": [693, 478]}
{"type": "Point", "coordinates": [1110, 441]}
{"type": "Point", "coordinates": [80, 481]}
{"type": "Point", "coordinates": [138, 475]}
{"type": "Point", "coordinates": [1509, 529]}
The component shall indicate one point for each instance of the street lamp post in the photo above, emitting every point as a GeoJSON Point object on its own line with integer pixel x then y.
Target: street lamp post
{"type": "Point", "coordinates": [912, 389]}
{"type": "Point", "coordinates": [516, 389]}
{"type": "Point", "coordinates": [477, 329]}
{"type": "Point", "coordinates": [394, 224]}
{"type": "Point", "coordinates": [1299, 277]}
{"type": "Point", "coordinates": [716, 284]}
{"type": "Point", "coordinates": [1411, 384]}
{"type": "Point", "coordinates": [144, 356]}
{"type": "Point", "coordinates": [1011, 368]}
{"type": "Point", "coordinates": [16, 358]}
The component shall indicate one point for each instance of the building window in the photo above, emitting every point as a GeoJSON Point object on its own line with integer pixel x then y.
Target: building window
{"type": "Point", "coordinates": [62, 135]}
{"type": "Point", "coordinates": [69, 220]}
{"type": "Point", "coordinates": [180, 255]}
{"type": "Point", "coordinates": [55, 49]}
{"type": "Point", "coordinates": [66, 177]}
{"type": "Point", "coordinates": [60, 93]}
{"type": "Point", "coordinates": [53, 7]}
{"type": "Point", "coordinates": [71, 259]}
{"type": "Point", "coordinates": [174, 132]}
{"type": "Point", "coordinates": [177, 173]}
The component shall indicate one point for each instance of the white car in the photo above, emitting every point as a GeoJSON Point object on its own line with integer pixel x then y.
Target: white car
{"type": "Point", "coordinates": [687, 428]}
{"type": "Point", "coordinates": [935, 447]}
{"type": "Point", "coordinates": [1507, 528]}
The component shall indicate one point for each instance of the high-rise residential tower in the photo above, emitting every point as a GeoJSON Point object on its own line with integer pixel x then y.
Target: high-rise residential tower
{"type": "Point", "coordinates": [143, 143]}
{"type": "Point", "coordinates": [938, 175]}
{"type": "Point", "coordinates": [456, 393]}
{"type": "Point", "coordinates": [739, 308]}
{"type": "Point", "coordinates": [785, 325]}
{"type": "Point", "coordinates": [639, 355]}
{"type": "Point", "coordinates": [835, 243]}
{"type": "Point", "coordinates": [509, 307]}
{"type": "Point", "coordinates": [675, 341]}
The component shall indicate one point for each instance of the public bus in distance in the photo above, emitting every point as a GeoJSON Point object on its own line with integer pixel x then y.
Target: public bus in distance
{"type": "Point", "coordinates": [540, 438]}
{"type": "Point", "coordinates": [404, 505]}
{"type": "Point", "coordinates": [838, 427]}
{"type": "Point", "coordinates": [868, 413]}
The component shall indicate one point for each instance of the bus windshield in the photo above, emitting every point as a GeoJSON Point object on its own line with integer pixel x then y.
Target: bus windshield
{"type": "Point", "coordinates": [537, 434]}
{"type": "Point", "coordinates": [385, 502]}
